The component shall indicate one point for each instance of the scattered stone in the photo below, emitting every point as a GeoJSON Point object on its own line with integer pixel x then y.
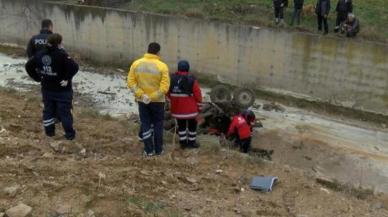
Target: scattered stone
{"type": "Point", "coordinates": [208, 200]}
{"type": "Point", "coordinates": [145, 172]}
{"type": "Point", "coordinates": [256, 106]}
{"type": "Point", "coordinates": [56, 146]}
{"type": "Point", "coordinates": [219, 171]}
{"type": "Point", "coordinates": [83, 152]}
{"type": "Point", "coordinates": [191, 180]}
{"type": "Point", "coordinates": [47, 155]}
{"type": "Point", "coordinates": [20, 210]}
{"type": "Point", "coordinates": [2, 214]}
{"type": "Point", "coordinates": [90, 213]}
{"type": "Point", "coordinates": [377, 205]}
{"type": "Point", "coordinates": [325, 190]}
{"type": "Point", "coordinates": [3, 130]}
{"type": "Point", "coordinates": [287, 168]}
{"type": "Point", "coordinates": [187, 207]}
{"type": "Point", "coordinates": [63, 209]}
{"type": "Point", "coordinates": [237, 210]}
{"type": "Point", "coordinates": [12, 190]}
{"type": "Point", "coordinates": [273, 107]}
{"type": "Point", "coordinates": [120, 70]}
{"type": "Point", "coordinates": [101, 176]}
{"type": "Point", "coordinates": [237, 189]}
{"type": "Point", "coordinates": [133, 117]}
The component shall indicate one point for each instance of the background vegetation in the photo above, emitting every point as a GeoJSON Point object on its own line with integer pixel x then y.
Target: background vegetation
{"type": "Point", "coordinates": [373, 14]}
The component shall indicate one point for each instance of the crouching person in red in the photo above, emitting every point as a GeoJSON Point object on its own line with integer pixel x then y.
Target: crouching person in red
{"type": "Point", "coordinates": [241, 129]}
{"type": "Point", "coordinates": [185, 97]}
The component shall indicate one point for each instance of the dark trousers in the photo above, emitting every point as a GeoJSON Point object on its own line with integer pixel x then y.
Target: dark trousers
{"type": "Point", "coordinates": [279, 13]}
{"type": "Point", "coordinates": [296, 16]}
{"type": "Point", "coordinates": [152, 115]}
{"type": "Point", "coordinates": [187, 131]}
{"type": "Point", "coordinates": [351, 34]}
{"type": "Point", "coordinates": [341, 17]}
{"type": "Point", "coordinates": [323, 20]}
{"type": "Point", "coordinates": [58, 104]}
{"type": "Point", "coordinates": [244, 144]}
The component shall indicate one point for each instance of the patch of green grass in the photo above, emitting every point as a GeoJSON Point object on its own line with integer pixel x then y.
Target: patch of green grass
{"type": "Point", "coordinates": [358, 192]}
{"type": "Point", "coordinates": [209, 144]}
{"type": "Point", "coordinates": [373, 14]}
{"type": "Point", "coordinates": [153, 208]}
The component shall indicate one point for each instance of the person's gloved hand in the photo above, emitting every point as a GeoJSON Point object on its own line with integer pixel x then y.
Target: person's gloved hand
{"type": "Point", "coordinates": [282, 5]}
{"type": "Point", "coordinates": [146, 99]}
{"type": "Point", "coordinates": [64, 83]}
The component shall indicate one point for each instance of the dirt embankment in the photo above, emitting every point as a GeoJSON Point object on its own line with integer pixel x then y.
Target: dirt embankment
{"type": "Point", "coordinates": [102, 173]}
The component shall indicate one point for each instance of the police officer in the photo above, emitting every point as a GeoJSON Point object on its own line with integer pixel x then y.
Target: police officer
{"type": "Point", "coordinates": [279, 6]}
{"type": "Point", "coordinates": [322, 9]}
{"type": "Point", "coordinates": [54, 69]}
{"type": "Point", "coordinates": [38, 42]}
{"type": "Point", "coordinates": [344, 7]}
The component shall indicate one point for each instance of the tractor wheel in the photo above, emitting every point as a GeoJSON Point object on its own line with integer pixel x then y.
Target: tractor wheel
{"type": "Point", "coordinates": [244, 97]}
{"type": "Point", "coordinates": [220, 94]}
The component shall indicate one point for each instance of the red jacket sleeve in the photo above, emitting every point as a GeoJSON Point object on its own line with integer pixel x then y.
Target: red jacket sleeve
{"type": "Point", "coordinates": [197, 92]}
{"type": "Point", "coordinates": [232, 126]}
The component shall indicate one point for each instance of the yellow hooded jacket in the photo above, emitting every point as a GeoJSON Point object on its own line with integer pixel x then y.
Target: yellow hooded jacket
{"type": "Point", "coordinates": [150, 76]}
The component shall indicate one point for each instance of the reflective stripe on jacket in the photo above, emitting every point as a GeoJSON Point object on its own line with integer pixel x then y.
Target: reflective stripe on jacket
{"type": "Point", "coordinates": [185, 96]}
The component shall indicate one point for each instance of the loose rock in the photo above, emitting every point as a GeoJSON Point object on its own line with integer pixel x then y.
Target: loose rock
{"type": "Point", "coordinates": [12, 190]}
{"type": "Point", "coordinates": [63, 209]}
{"type": "Point", "coordinates": [20, 210]}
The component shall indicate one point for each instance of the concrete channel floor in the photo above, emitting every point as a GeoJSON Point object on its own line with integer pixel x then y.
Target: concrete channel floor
{"type": "Point", "coordinates": [346, 150]}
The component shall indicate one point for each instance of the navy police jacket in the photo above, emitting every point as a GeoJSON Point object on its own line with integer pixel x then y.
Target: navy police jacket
{"type": "Point", "coordinates": [38, 42]}
{"type": "Point", "coordinates": [51, 67]}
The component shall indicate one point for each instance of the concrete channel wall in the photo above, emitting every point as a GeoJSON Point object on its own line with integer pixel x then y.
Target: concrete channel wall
{"type": "Point", "coordinates": [343, 72]}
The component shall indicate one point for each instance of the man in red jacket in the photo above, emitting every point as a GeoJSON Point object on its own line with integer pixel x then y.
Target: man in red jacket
{"type": "Point", "coordinates": [185, 97]}
{"type": "Point", "coordinates": [242, 130]}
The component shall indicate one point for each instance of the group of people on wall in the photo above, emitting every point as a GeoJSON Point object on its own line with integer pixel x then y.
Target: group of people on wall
{"type": "Point", "coordinates": [346, 22]}
{"type": "Point", "coordinates": [148, 80]}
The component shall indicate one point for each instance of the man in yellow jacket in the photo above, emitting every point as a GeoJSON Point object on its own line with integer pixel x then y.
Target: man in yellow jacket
{"type": "Point", "coordinates": [149, 81]}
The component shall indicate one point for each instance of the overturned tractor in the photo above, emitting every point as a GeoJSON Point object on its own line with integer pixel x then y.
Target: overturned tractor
{"type": "Point", "coordinates": [216, 115]}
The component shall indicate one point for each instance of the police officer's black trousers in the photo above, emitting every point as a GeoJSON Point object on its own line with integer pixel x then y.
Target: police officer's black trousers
{"type": "Point", "coordinates": [296, 16]}
{"type": "Point", "coordinates": [341, 17]}
{"type": "Point", "coordinates": [323, 20]}
{"type": "Point", "coordinates": [279, 13]}
{"type": "Point", "coordinates": [187, 131]}
{"type": "Point", "coordinates": [58, 104]}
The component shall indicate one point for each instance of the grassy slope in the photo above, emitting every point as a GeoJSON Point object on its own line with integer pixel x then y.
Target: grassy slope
{"type": "Point", "coordinates": [372, 13]}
